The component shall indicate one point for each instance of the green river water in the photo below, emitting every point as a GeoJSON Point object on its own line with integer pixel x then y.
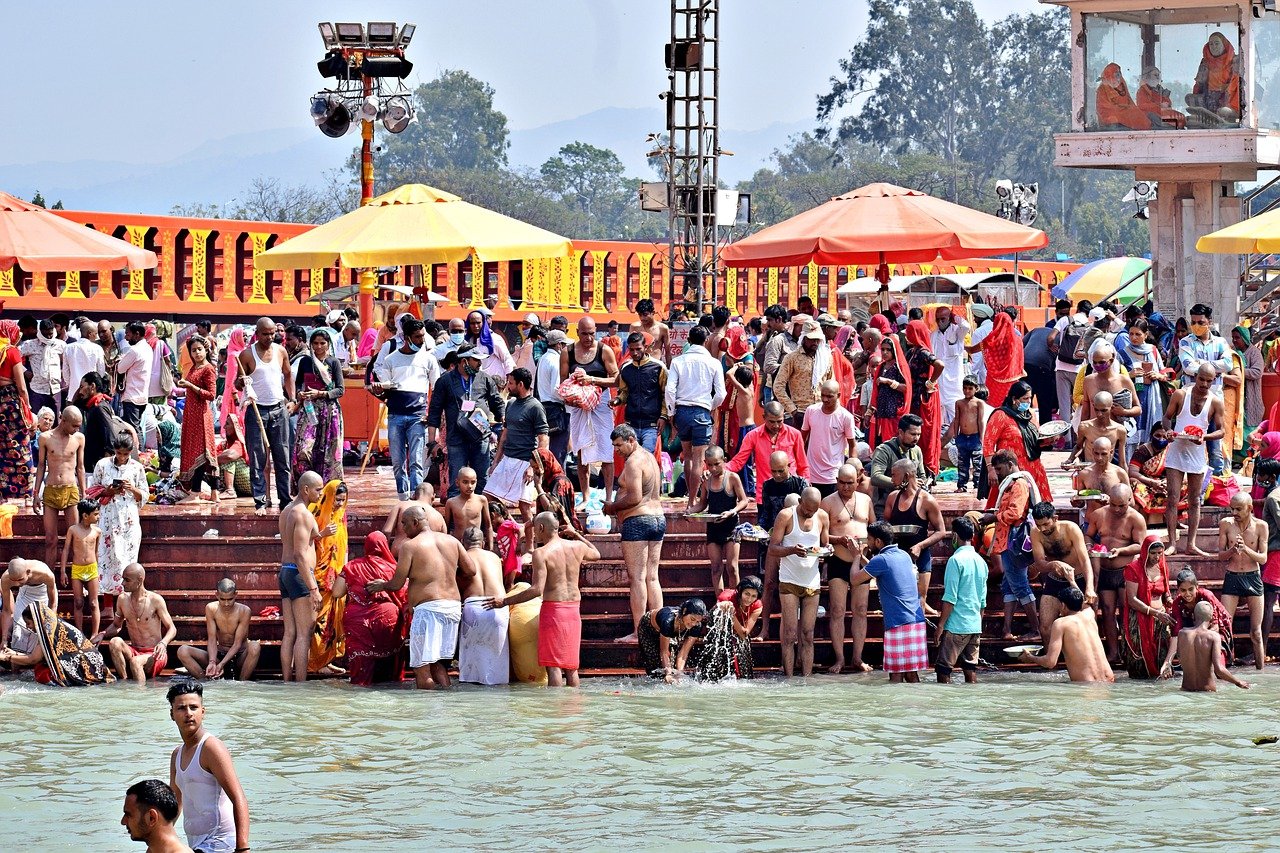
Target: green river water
{"type": "Point", "coordinates": [1019, 762]}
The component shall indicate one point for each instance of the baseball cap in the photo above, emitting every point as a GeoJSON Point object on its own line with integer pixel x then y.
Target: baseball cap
{"type": "Point", "coordinates": [555, 337]}
{"type": "Point", "coordinates": [532, 320]}
{"type": "Point", "coordinates": [828, 320]}
{"type": "Point", "coordinates": [477, 352]}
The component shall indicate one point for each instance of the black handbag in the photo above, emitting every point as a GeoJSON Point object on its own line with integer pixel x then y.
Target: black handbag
{"type": "Point", "coordinates": [557, 417]}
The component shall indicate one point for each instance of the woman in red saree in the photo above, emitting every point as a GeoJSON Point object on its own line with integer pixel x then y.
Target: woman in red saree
{"type": "Point", "coordinates": [199, 457]}
{"type": "Point", "coordinates": [890, 391]}
{"type": "Point", "coordinates": [1145, 621]}
{"type": "Point", "coordinates": [16, 421]}
{"type": "Point", "coordinates": [925, 369]}
{"type": "Point", "coordinates": [1012, 427]}
{"type": "Point", "coordinates": [1002, 355]}
{"type": "Point", "coordinates": [375, 623]}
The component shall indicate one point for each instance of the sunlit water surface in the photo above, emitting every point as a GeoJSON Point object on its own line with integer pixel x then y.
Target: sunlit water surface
{"type": "Point", "coordinates": [1020, 762]}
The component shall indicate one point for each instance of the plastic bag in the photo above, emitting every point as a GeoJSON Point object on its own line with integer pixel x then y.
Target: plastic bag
{"type": "Point", "coordinates": [579, 395]}
{"type": "Point", "coordinates": [1221, 490]}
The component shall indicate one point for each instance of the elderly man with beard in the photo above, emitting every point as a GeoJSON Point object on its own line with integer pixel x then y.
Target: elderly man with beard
{"type": "Point", "coordinates": [947, 342]}
{"type": "Point", "coordinates": [796, 385]}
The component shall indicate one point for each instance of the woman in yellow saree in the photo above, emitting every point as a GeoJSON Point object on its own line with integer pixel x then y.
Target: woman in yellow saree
{"type": "Point", "coordinates": [329, 640]}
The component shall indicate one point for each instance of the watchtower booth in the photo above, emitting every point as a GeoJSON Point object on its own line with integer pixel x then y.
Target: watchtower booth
{"type": "Point", "coordinates": [1186, 94]}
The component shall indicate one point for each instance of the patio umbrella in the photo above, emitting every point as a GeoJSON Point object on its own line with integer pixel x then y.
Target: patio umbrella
{"type": "Point", "coordinates": [882, 224]}
{"type": "Point", "coordinates": [1257, 235]}
{"type": "Point", "coordinates": [1097, 280]}
{"type": "Point", "coordinates": [347, 291]}
{"type": "Point", "coordinates": [41, 241]}
{"type": "Point", "coordinates": [414, 224]}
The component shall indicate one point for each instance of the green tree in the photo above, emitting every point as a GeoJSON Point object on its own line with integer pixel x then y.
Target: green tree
{"type": "Point", "coordinates": [38, 199]}
{"type": "Point", "coordinates": [457, 127]}
{"type": "Point", "coordinates": [584, 175]}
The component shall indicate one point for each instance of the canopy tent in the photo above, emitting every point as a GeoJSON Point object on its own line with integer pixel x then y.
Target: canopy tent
{"type": "Point", "coordinates": [1257, 235]}
{"type": "Point", "coordinates": [349, 291]}
{"type": "Point", "coordinates": [1121, 279]}
{"type": "Point", "coordinates": [882, 224]}
{"type": "Point", "coordinates": [954, 284]}
{"type": "Point", "coordinates": [41, 241]}
{"type": "Point", "coordinates": [414, 224]}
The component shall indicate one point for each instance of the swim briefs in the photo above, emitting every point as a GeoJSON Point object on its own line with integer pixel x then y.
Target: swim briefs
{"type": "Point", "coordinates": [798, 591]}
{"type": "Point", "coordinates": [291, 583]}
{"type": "Point", "coordinates": [1242, 584]}
{"type": "Point", "coordinates": [84, 573]}
{"type": "Point", "coordinates": [1111, 579]}
{"type": "Point", "coordinates": [1055, 586]}
{"type": "Point", "coordinates": [61, 497]}
{"type": "Point", "coordinates": [644, 528]}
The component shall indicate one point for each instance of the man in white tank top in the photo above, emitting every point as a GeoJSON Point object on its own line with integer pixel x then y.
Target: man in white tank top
{"type": "Point", "coordinates": [266, 378]}
{"type": "Point", "coordinates": [1193, 411]}
{"type": "Point", "coordinates": [799, 534]}
{"type": "Point", "coordinates": [215, 812]}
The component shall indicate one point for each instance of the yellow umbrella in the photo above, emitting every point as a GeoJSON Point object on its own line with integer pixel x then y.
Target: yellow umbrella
{"type": "Point", "coordinates": [414, 224]}
{"type": "Point", "coordinates": [1257, 235]}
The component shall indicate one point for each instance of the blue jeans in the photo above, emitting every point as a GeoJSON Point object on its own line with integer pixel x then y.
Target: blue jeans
{"type": "Point", "coordinates": [406, 435]}
{"type": "Point", "coordinates": [648, 438]}
{"type": "Point", "coordinates": [1216, 462]}
{"type": "Point", "coordinates": [968, 453]}
{"type": "Point", "coordinates": [1014, 585]}
{"type": "Point", "coordinates": [275, 423]}
{"type": "Point", "coordinates": [749, 469]}
{"type": "Point", "coordinates": [468, 454]}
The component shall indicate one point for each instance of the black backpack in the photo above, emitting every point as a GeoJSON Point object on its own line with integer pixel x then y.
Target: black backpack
{"type": "Point", "coordinates": [1070, 341]}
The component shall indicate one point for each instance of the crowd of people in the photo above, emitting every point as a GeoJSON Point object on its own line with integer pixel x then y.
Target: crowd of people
{"type": "Point", "coordinates": [838, 430]}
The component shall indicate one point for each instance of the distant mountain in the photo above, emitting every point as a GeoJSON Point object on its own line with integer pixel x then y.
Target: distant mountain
{"type": "Point", "coordinates": [623, 130]}
{"type": "Point", "coordinates": [218, 170]}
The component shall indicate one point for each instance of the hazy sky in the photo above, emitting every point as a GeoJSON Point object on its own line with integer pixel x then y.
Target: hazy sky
{"type": "Point", "coordinates": [149, 81]}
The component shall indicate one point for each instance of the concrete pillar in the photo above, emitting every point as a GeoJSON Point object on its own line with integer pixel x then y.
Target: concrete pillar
{"type": "Point", "coordinates": [1183, 212]}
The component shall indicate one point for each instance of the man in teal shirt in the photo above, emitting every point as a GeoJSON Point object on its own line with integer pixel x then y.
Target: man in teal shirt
{"type": "Point", "coordinates": [963, 597]}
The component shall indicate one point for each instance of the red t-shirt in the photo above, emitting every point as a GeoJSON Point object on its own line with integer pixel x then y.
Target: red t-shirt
{"type": "Point", "coordinates": [742, 615]}
{"type": "Point", "coordinates": [506, 540]}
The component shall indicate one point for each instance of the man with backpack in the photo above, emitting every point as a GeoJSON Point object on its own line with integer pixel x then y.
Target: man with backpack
{"type": "Point", "coordinates": [1065, 342]}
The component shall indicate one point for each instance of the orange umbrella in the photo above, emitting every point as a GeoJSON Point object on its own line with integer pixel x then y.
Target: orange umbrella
{"type": "Point", "coordinates": [882, 224]}
{"type": "Point", "coordinates": [41, 241]}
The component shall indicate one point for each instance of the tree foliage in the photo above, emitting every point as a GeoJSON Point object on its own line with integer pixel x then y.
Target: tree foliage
{"type": "Point", "coordinates": [457, 127]}
{"type": "Point", "coordinates": [271, 200]}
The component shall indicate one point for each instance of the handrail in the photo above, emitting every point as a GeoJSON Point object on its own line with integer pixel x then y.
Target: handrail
{"type": "Point", "coordinates": [1248, 197]}
{"type": "Point", "coordinates": [1146, 288]}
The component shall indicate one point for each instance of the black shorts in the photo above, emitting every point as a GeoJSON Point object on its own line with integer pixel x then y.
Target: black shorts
{"type": "Point", "coordinates": [1242, 584]}
{"type": "Point", "coordinates": [721, 532]}
{"type": "Point", "coordinates": [838, 569]}
{"type": "Point", "coordinates": [1055, 586]}
{"type": "Point", "coordinates": [825, 489]}
{"type": "Point", "coordinates": [1111, 580]}
{"type": "Point", "coordinates": [291, 584]}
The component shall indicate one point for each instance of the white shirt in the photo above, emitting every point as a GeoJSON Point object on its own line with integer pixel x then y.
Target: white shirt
{"type": "Point", "coordinates": [978, 365]}
{"type": "Point", "coordinates": [82, 358]}
{"type": "Point", "coordinates": [412, 373]}
{"type": "Point", "coordinates": [499, 363]}
{"type": "Point", "coordinates": [135, 366]}
{"type": "Point", "coordinates": [547, 382]}
{"type": "Point", "coordinates": [949, 346]}
{"type": "Point", "coordinates": [695, 379]}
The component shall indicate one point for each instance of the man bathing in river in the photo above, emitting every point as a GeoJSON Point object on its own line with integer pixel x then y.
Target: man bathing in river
{"type": "Point", "coordinates": [151, 629]}
{"type": "Point", "coordinates": [432, 564]}
{"type": "Point", "coordinates": [848, 513]}
{"type": "Point", "coordinates": [1075, 638]}
{"type": "Point", "coordinates": [1119, 529]}
{"type": "Point", "coordinates": [150, 808]}
{"type": "Point", "coordinates": [227, 627]}
{"type": "Point", "coordinates": [557, 562]}
{"type": "Point", "coordinates": [215, 811]}
{"type": "Point", "coordinates": [1242, 544]}
{"type": "Point", "coordinates": [484, 653]}
{"type": "Point", "coordinates": [24, 582]}
{"type": "Point", "coordinates": [1200, 651]}
{"type": "Point", "coordinates": [640, 521]}
{"type": "Point", "coordinates": [1058, 551]}
{"type": "Point", "coordinates": [299, 592]}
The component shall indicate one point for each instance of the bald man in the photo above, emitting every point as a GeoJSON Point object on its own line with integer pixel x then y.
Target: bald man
{"type": "Point", "coordinates": [268, 382]}
{"type": "Point", "coordinates": [24, 582]}
{"type": "Point", "coordinates": [557, 562]}
{"type": "Point", "coordinates": [780, 485]}
{"type": "Point", "coordinates": [1101, 425]}
{"type": "Point", "coordinates": [830, 438]}
{"type": "Point", "coordinates": [150, 626]}
{"type": "Point", "coordinates": [798, 537]}
{"type": "Point", "coordinates": [60, 471]}
{"type": "Point", "coordinates": [849, 511]}
{"type": "Point", "coordinates": [1197, 417]}
{"type": "Point", "coordinates": [1119, 529]}
{"type": "Point", "coordinates": [1101, 475]}
{"type": "Point", "coordinates": [1242, 545]}
{"type": "Point", "coordinates": [299, 592]}
{"type": "Point", "coordinates": [1200, 652]}
{"type": "Point", "coordinates": [591, 363]}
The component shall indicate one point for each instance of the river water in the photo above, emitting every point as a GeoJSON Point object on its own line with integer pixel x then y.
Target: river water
{"type": "Point", "coordinates": [1019, 762]}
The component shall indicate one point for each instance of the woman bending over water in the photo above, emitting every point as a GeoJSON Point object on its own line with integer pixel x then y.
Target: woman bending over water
{"type": "Point", "coordinates": [657, 630]}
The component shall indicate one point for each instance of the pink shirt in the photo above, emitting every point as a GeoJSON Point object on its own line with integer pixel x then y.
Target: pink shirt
{"type": "Point", "coordinates": [758, 446]}
{"type": "Point", "coordinates": [829, 437]}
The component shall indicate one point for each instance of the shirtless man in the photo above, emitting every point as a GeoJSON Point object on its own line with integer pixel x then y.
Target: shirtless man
{"type": "Point", "coordinates": [424, 496]}
{"type": "Point", "coordinates": [150, 808]}
{"type": "Point", "coordinates": [227, 626]}
{"type": "Point", "coordinates": [24, 582]}
{"type": "Point", "coordinates": [657, 332]}
{"type": "Point", "coordinates": [1101, 425]}
{"type": "Point", "coordinates": [1102, 475]}
{"type": "Point", "coordinates": [299, 592]}
{"type": "Point", "coordinates": [484, 655]}
{"type": "Point", "coordinates": [61, 471]}
{"type": "Point", "coordinates": [1059, 553]}
{"type": "Point", "coordinates": [1186, 458]}
{"type": "Point", "coordinates": [849, 511]}
{"type": "Point", "coordinates": [1075, 637]}
{"type": "Point", "coordinates": [267, 380]}
{"type": "Point", "coordinates": [641, 523]}
{"type": "Point", "coordinates": [151, 629]}
{"type": "Point", "coordinates": [556, 563]}
{"type": "Point", "coordinates": [1119, 529]}
{"type": "Point", "coordinates": [432, 564]}
{"type": "Point", "coordinates": [1200, 651]}
{"type": "Point", "coordinates": [468, 509]}
{"type": "Point", "coordinates": [1242, 544]}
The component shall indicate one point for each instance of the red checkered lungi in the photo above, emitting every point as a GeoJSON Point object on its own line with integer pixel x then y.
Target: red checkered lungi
{"type": "Point", "coordinates": [906, 648]}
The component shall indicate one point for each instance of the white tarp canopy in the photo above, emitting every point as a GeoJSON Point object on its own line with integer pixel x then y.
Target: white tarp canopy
{"type": "Point", "coordinates": [953, 283]}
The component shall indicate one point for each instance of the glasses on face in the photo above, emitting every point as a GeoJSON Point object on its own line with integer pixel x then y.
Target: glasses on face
{"type": "Point", "coordinates": [847, 482]}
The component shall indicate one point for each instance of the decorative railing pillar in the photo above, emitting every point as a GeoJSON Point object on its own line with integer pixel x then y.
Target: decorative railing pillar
{"type": "Point", "coordinates": [598, 282]}
{"type": "Point", "coordinates": [199, 265]}
{"type": "Point", "coordinates": [137, 278]}
{"type": "Point", "coordinates": [258, 294]}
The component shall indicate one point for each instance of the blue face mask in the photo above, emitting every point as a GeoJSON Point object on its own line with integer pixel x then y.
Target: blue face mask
{"type": "Point", "coordinates": [457, 337]}
{"type": "Point", "coordinates": [414, 347]}
{"type": "Point", "coordinates": [1022, 408]}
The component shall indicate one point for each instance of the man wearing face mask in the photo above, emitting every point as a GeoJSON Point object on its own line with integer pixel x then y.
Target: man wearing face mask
{"type": "Point", "coordinates": [407, 376]}
{"type": "Point", "coordinates": [457, 337]}
{"type": "Point", "coordinates": [1199, 348]}
{"type": "Point", "coordinates": [468, 402]}
{"type": "Point", "coordinates": [948, 344]}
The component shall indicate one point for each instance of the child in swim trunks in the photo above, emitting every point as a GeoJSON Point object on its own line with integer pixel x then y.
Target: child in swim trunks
{"type": "Point", "coordinates": [81, 546]}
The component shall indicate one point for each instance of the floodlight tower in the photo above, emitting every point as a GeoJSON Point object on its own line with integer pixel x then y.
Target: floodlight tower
{"type": "Point", "coordinates": [368, 67]}
{"type": "Point", "coordinates": [693, 132]}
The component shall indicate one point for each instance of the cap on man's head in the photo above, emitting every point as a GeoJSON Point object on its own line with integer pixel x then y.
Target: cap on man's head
{"type": "Point", "coordinates": [555, 337]}
{"type": "Point", "coordinates": [479, 353]}
{"type": "Point", "coordinates": [828, 320]}
{"type": "Point", "coordinates": [813, 331]}
{"type": "Point", "coordinates": [532, 319]}
{"type": "Point", "coordinates": [335, 315]}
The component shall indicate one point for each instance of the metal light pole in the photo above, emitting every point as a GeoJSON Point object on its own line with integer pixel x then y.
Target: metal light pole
{"type": "Point", "coordinates": [368, 275]}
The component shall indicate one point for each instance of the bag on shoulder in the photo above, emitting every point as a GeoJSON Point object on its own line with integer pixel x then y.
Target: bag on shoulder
{"type": "Point", "coordinates": [1072, 337]}
{"type": "Point", "coordinates": [557, 417]}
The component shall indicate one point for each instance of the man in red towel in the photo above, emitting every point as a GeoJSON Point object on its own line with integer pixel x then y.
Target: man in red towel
{"type": "Point", "coordinates": [556, 562]}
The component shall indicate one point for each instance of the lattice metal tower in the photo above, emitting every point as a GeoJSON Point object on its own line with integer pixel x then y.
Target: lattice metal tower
{"type": "Point", "coordinates": [693, 133]}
